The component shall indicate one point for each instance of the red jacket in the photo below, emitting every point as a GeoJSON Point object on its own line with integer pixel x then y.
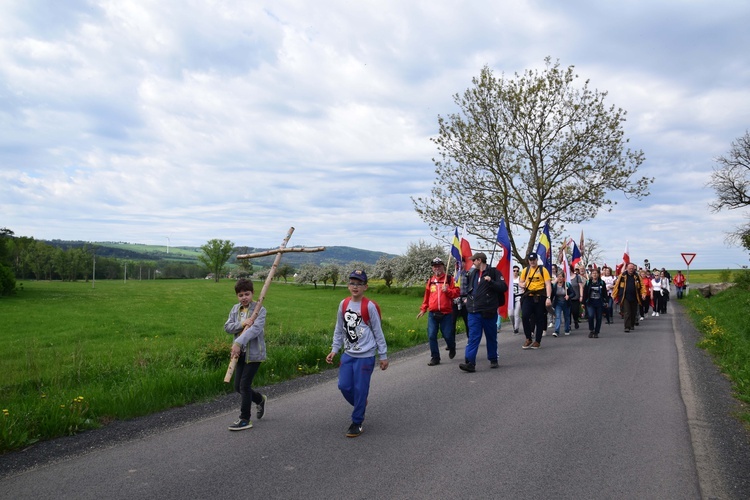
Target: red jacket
{"type": "Point", "coordinates": [437, 300]}
{"type": "Point", "coordinates": [679, 280]}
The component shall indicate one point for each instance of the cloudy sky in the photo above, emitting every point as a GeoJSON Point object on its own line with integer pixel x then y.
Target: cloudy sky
{"type": "Point", "coordinates": [178, 121]}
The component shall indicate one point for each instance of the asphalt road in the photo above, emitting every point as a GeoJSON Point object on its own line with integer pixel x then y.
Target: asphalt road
{"type": "Point", "coordinates": [640, 415]}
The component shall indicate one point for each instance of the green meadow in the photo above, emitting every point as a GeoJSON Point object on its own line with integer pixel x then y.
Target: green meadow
{"type": "Point", "coordinates": [76, 356]}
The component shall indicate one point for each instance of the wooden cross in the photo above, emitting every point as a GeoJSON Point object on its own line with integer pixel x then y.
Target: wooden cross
{"type": "Point", "coordinates": [279, 251]}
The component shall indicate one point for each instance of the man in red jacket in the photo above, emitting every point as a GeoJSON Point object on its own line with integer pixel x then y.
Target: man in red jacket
{"type": "Point", "coordinates": [439, 293]}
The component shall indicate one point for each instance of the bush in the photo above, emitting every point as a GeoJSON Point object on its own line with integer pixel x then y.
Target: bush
{"type": "Point", "coordinates": [725, 276]}
{"type": "Point", "coordinates": [742, 279]}
{"type": "Point", "coordinates": [7, 280]}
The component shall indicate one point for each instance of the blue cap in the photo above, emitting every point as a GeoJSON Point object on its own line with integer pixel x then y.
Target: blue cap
{"type": "Point", "coordinates": [533, 256]}
{"type": "Point", "coordinates": [358, 274]}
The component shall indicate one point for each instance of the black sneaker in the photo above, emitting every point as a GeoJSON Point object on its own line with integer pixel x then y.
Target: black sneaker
{"type": "Point", "coordinates": [260, 409]}
{"type": "Point", "coordinates": [493, 364]}
{"type": "Point", "coordinates": [468, 367]}
{"type": "Point", "coordinates": [452, 353]}
{"type": "Point", "coordinates": [240, 425]}
{"type": "Point", "coordinates": [433, 362]}
{"type": "Point", "coordinates": [354, 430]}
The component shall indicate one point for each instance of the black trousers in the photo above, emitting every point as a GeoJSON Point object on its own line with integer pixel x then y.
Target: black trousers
{"type": "Point", "coordinates": [534, 316]}
{"type": "Point", "coordinates": [243, 381]}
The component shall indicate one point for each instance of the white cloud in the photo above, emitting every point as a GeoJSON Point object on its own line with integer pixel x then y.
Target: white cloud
{"type": "Point", "coordinates": [137, 120]}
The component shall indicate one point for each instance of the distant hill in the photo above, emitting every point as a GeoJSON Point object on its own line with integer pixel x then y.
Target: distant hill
{"type": "Point", "coordinates": [138, 251]}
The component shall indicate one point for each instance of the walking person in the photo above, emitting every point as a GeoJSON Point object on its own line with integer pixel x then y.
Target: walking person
{"type": "Point", "coordinates": [594, 296]}
{"type": "Point", "coordinates": [576, 282]}
{"type": "Point", "coordinates": [609, 280]}
{"type": "Point", "coordinates": [249, 346]}
{"type": "Point", "coordinates": [440, 290]}
{"type": "Point", "coordinates": [680, 283]}
{"type": "Point", "coordinates": [665, 282]}
{"type": "Point", "coordinates": [536, 292]}
{"type": "Point", "coordinates": [484, 288]}
{"type": "Point", "coordinates": [516, 300]}
{"type": "Point", "coordinates": [657, 285]}
{"type": "Point", "coordinates": [358, 329]}
{"type": "Point", "coordinates": [627, 291]}
{"type": "Point", "coordinates": [646, 294]}
{"type": "Point", "coordinates": [562, 291]}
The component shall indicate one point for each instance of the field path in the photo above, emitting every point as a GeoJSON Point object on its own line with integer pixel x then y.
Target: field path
{"type": "Point", "coordinates": [629, 415]}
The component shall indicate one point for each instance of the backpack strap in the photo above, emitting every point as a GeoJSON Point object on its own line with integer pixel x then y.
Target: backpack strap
{"type": "Point", "coordinates": [364, 312]}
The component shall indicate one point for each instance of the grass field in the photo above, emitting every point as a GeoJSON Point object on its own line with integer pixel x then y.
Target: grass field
{"type": "Point", "coordinates": [75, 357]}
{"type": "Point", "coordinates": [722, 320]}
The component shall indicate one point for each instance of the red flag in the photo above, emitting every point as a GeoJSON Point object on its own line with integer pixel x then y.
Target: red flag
{"type": "Point", "coordinates": [576, 259]}
{"type": "Point", "coordinates": [625, 260]}
{"type": "Point", "coordinates": [466, 254]}
{"type": "Point", "coordinates": [503, 265]}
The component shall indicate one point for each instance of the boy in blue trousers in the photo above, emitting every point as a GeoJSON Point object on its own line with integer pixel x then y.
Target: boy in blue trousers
{"type": "Point", "coordinates": [359, 330]}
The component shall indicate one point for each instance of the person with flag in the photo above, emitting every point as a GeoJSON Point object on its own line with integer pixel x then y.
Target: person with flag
{"type": "Point", "coordinates": [439, 293]}
{"type": "Point", "coordinates": [463, 265]}
{"type": "Point", "coordinates": [516, 312]}
{"type": "Point", "coordinates": [536, 292]}
{"type": "Point", "coordinates": [627, 291]}
{"type": "Point", "coordinates": [484, 286]}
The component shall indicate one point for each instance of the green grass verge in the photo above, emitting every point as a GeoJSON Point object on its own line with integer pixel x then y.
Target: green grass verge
{"type": "Point", "coordinates": [722, 320]}
{"type": "Point", "coordinates": [76, 357]}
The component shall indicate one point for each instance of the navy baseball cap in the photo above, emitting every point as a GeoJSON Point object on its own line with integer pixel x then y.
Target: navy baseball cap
{"type": "Point", "coordinates": [533, 256]}
{"type": "Point", "coordinates": [358, 274]}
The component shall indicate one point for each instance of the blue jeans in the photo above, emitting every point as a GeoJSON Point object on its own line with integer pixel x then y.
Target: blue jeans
{"type": "Point", "coordinates": [477, 324]}
{"type": "Point", "coordinates": [562, 310]}
{"type": "Point", "coordinates": [595, 311]}
{"type": "Point", "coordinates": [445, 325]}
{"type": "Point", "coordinates": [354, 383]}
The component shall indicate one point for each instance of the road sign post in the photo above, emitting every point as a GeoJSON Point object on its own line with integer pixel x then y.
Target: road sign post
{"type": "Point", "coordinates": [688, 258]}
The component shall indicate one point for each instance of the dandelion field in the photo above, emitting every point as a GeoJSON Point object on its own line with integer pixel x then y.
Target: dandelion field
{"type": "Point", "coordinates": [77, 356]}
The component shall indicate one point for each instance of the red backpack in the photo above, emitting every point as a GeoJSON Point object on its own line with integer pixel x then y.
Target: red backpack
{"type": "Point", "coordinates": [365, 309]}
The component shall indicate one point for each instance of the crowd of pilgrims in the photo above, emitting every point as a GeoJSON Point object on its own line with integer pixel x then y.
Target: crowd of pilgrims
{"type": "Point", "coordinates": [572, 300]}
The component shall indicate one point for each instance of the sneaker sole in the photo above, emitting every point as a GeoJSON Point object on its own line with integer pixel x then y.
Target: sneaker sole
{"type": "Point", "coordinates": [265, 400]}
{"type": "Point", "coordinates": [248, 426]}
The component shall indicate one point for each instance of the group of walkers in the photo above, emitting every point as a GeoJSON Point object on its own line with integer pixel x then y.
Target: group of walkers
{"type": "Point", "coordinates": [482, 291]}
{"type": "Point", "coordinates": [591, 295]}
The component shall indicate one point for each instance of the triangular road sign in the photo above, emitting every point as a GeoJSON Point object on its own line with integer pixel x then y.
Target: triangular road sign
{"type": "Point", "coordinates": [688, 258]}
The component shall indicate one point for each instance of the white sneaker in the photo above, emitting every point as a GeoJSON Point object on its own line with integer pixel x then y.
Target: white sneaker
{"type": "Point", "coordinates": [657, 315]}
{"type": "Point", "coordinates": [653, 314]}
{"type": "Point", "coordinates": [641, 318]}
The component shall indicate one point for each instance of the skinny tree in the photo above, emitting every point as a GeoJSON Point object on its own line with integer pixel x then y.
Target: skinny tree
{"type": "Point", "coordinates": [529, 149]}
{"type": "Point", "coordinates": [216, 254]}
{"type": "Point", "coordinates": [731, 181]}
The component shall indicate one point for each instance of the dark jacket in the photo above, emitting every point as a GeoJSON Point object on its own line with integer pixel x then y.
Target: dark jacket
{"type": "Point", "coordinates": [568, 289]}
{"type": "Point", "coordinates": [587, 292]}
{"type": "Point", "coordinates": [484, 295]}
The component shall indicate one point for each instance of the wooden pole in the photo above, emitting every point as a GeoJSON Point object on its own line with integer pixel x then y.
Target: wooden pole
{"type": "Point", "coordinates": [271, 252]}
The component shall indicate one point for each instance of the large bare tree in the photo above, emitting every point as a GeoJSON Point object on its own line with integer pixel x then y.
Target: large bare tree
{"type": "Point", "coordinates": [731, 181]}
{"type": "Point", "coordinates": [531, 148]}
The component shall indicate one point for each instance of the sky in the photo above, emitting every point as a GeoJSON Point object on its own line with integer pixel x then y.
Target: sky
{"type": "Point", "coordinates": [173, 122]}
